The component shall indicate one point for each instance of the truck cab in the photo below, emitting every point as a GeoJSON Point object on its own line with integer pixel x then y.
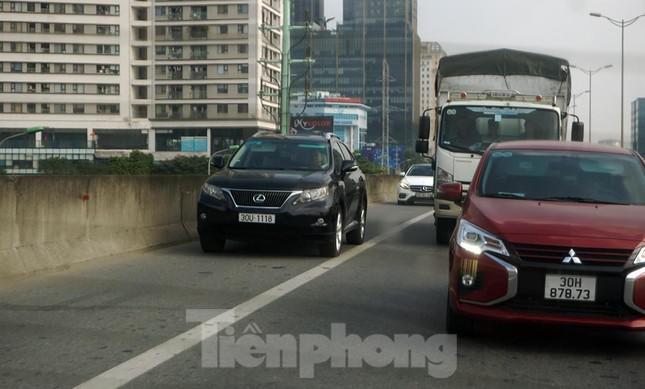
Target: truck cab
{"type": "Point", "coordinates": [486, 98]}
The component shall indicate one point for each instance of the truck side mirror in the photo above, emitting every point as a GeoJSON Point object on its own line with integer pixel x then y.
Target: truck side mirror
{"type": "Point", "coordinates": [578, 132]}
{"type": "Point", "coordinates": [422, 146]}
{"type": "Point", "coordinates": [424, 127]}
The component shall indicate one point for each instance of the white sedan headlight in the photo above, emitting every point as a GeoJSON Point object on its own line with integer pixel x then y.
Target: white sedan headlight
{"type": "Point", "coordinates": [404, 184]}
{"type": "Point", "coordinates": [213, 192]}
{"type": "Point", "coordinates": [475, 240]}
{"type": "Point", "coordinates": [640, 257]}
{"type": "Point", "coordinates": [310, 195]}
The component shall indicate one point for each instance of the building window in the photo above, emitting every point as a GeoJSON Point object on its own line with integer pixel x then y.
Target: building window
{"type": "Point", "coordinates": [78, 8]}
{"type": "Point", "coordinates": [44, 108]}
{"type": "Point", "coordinates": [199, 13]}
{"type": "Point", "coordinates": [78, 108]}
{"type": "Point", "coordinates": [16, 108]}
{"type": "Point", "coordinates": [222, 69]}
{"type": "Point", "coordinates": [243, 89]}
{"type": "Point", "coordinates": [78, 68]}
{"type": "Point", "coordinates": [78, 48]}
{"type": "Point", "coordinates": [243, 68]}
{"type": "Point", "coordinates": [59, 28]}
{"type": "Point", "coordinates": [44, 47]}
{"type": "Point", "coordinates": [31, 47]}
{"type": "Point", "coordinates": [160, 50]}
{"type": "Point", "coordinates": [243, 49]}
{"type": "Point", "coordinates": [60, 108]}
{"type": "Point", "coordinates": [176, 52]}
{"type": "Point", "coordinates": [242, 108]}
{"type": "Point", "coordinates": [44, 88]}
{"type": "Point", "coordinates": [222, 108]}
{"type": "Point", "coordinates": [223, 29]}
{"type": "Point", "coordinates": [16, 67]}
{"type": "Point", "coordinates": [44, 7]}
{"type": "Point", "coordinates": [222, 49]}
{"type": "Point", "coordinates": [108, 109]}
{"type": "Point", "coordinates": [242, 28]}
{"type": "Point", "coordinates": [242, 9]}
{"type": "Point", "coordinates": [31, 108]}
{"type": "Point", "coordinates": [31, 68]}
{"type": "Point", "coordinates": [222, 9]}
{"type": "Point", "coordinates": [45, 27]}
{"type": "Point", "coordinates": [160, 11]}
{"type": "Point", "coordinates": [60, 68]}
{"type": "Point", "coordinates": [222, 88]}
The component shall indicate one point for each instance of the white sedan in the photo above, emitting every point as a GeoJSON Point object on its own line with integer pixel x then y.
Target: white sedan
{"type": "Point", "coordinates": [417, 185]}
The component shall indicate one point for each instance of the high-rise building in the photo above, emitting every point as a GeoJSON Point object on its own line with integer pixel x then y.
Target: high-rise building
{"type": "Point", "coordinates": [307, 11]}
{"type": "Point", "coordinates": [123, 75]}
{"type": "Point", "coordinates": [431, 54]}
{"type": "Point", "coordinates": [374, 56]}
{"type": "Point", "coordinates": [638, 125]}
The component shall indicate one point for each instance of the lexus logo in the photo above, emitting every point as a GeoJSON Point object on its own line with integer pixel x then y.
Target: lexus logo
{"type": "Point", "coordinates": [572, 258]}
{"type": "Point", "coordinates": [259, 198]}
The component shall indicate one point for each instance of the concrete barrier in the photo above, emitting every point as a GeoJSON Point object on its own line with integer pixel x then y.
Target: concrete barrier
{"type": "Point", "coordinates": [49, 222]}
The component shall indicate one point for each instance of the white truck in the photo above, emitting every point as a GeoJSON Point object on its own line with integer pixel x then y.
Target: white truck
{"type": "Point", "coordinates": [489, 97]}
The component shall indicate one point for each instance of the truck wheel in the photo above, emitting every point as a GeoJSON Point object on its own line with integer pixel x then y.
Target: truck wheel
{"type": "Point", "coordinates": [331, 248]}
{"type": "Point", "coordinates": [211, 243]}
{"type": "Point", "coordinates": [444, 229]}
{"type": "Point", "coordinates": [357, 236]}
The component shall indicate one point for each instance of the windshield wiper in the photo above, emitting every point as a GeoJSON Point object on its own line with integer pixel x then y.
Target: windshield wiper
{"type": "Point", "coordinates": [506, 195]}
{"type": "Point", "coordinates": [584, 200]}
{"type": "Point", "coordinates": [461, 149]}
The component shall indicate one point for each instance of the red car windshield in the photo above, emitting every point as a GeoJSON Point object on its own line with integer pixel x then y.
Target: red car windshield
{"type": "Point", "coordinates": [564, 176]}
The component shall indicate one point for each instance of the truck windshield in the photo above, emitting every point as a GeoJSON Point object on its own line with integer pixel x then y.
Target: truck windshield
{"type": "Point", "coordinates": [473, 129]}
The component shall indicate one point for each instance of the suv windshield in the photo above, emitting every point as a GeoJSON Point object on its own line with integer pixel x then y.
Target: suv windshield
{"type": "Point", "coordinates": [564, 176]}
{"type": "Point", "coordinates": [281, 154]}
{"type": "Point", "coordinates": [421, 171]}
{"type": "Point", "coordinates": [473, 129]}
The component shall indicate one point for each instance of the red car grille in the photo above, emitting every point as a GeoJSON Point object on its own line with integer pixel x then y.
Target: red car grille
{"type": "Point", "coordinates": [588, 256]}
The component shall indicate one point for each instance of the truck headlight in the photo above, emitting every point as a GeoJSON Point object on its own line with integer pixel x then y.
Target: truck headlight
{"type": "Point", "coordinates": [443, 177]}
{"type": "Point", "coordinates": [475, 240]}
{"type": "Point", "coordinates": [640, 257]}
{"type": "Point", "coordinates": [404, 184]}
{"type": "Point", "coordinates": [309, 195]}
{"type": "Point", "coordinates": [213, 191]}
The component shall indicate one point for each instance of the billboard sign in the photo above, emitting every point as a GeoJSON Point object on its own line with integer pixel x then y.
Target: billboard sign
{"type": "Point", "coordinates": [311, 125]}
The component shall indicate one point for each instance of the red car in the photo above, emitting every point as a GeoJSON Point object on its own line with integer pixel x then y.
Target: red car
{"type": "Point", "coordinates": [551, 232]}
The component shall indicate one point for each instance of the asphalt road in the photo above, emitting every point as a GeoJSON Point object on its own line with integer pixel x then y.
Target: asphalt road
{"type": "Point", "coordinates": [127, 316]}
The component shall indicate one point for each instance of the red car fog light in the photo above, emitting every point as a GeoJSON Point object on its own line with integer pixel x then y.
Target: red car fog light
{"type": "Point", "coordinates": [635, 290]}
{"type": "Point", "coordinates": [486, 280]}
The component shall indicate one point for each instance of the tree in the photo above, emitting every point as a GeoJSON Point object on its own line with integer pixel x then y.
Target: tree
{"type": "Point", "coordinates": [367, 166]}
{"type": "Point", "coordinates": [182, 166]}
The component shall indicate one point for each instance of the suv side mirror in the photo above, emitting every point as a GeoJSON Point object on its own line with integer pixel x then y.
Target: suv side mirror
{"type": "Point", "coordinates": [218, 162]}
{"type": "Point", "coordinates": [578, 132]}
{"type": "Point", "coordinates": [348, 166]}
{"type": "Point", "coordinates": [450, 192]}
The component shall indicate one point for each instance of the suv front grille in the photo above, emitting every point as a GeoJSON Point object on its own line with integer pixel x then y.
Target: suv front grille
{"type": "Point", "coordinates": [273, 199]}
{"type": "Point", "coordinates": [422, 189]}
{"type": "Point", "coordinates": [588, 256]}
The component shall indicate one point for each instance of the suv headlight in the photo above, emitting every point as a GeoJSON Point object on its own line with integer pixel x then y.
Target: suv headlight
{"type": "Point", "coordinates": [213, 191]}
{"type": "Point", "coordinates": [404, 184]}
{"type": "Point", "coordinates": [640, 257]}
{"type": "Point", "coordinates": [475, 240]}
{"type": "Point", "coordinates": [310, 195]}
{"type": "Point", "coordinates": [444, 177]}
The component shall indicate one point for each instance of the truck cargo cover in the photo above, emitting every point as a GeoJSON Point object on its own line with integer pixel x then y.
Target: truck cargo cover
{"type": "Point", "coordinates": [509, 67]}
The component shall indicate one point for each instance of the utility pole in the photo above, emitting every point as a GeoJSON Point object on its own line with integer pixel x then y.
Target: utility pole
{"type": "Point", "coordinates": [285, 84]}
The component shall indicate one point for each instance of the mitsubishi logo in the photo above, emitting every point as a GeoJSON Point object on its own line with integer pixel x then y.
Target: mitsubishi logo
{"type": "Point", "coordinates": [259, 198]}
{"type": "Point", "coordinates": [572, 258]}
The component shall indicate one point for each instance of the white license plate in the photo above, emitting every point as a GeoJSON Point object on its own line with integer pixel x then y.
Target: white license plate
{"type": "Point", "coordinates": [424, 195]}
{"type": "Point", "coordinates": [570, 288]}
{"type": "Point", "coordinates": [257, 218]}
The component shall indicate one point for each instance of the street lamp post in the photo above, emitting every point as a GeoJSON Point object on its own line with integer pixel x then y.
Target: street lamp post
{"type": "Point", "coordinates": [622, 24]}
{"type": "Point", "coordinates": [31, 130]}
{"type": "Point", "coordinates": [575, 97]}
{"type": "Point", "coordinates": [590, 73]}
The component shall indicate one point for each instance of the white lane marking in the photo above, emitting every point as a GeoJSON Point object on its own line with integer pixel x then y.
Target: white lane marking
{"type": "Point", "coordinates": [130, 370]}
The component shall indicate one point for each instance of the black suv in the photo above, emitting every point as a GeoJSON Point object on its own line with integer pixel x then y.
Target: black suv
{"type": "Point", "coordinates": [285, 187]}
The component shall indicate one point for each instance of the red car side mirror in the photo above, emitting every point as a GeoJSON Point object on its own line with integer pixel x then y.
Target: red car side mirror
{"type": "Point", "coordinates": [450, 192]}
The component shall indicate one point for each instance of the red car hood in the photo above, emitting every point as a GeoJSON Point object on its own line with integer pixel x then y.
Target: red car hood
{"type": "Point", "coordinates": [559, 223]}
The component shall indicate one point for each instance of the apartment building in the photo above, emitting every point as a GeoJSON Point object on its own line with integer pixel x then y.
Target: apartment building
{"type": "Point", "coordinates": [431, 54]}
{"type": "Point", "coordinates": [109, 76]}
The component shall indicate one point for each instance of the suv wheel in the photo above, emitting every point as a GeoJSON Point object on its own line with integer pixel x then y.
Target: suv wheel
{"type": "Point", "coordinates": [331, 248]}
{"type": "Point", "coordinates": [357, 236]}
{"type": "Point", "coordinates": [212, 244]}
{"type": "Point", "coordinates": [444, 229]}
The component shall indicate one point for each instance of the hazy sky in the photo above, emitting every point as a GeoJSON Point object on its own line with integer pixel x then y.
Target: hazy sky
{"type": "Point", "coordinates": [556, 27]}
